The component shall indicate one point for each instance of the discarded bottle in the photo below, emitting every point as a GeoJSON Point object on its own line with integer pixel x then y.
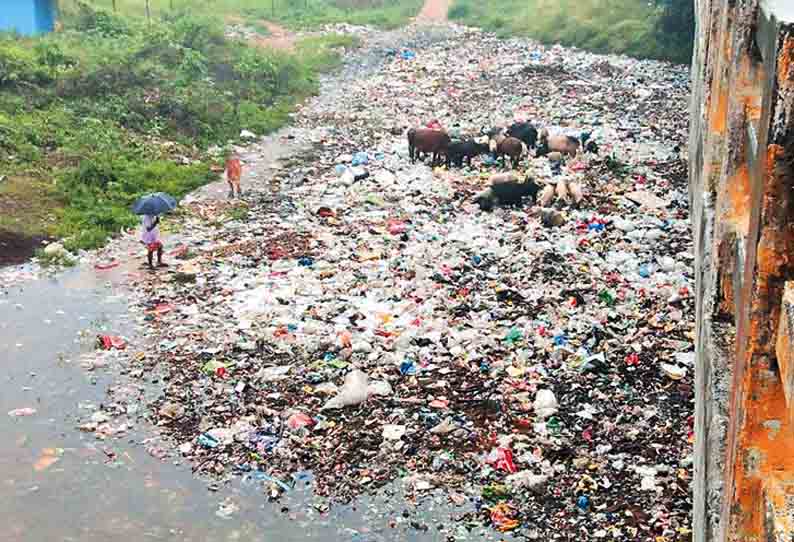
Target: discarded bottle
{"type": "Point", "coordinates": [583, 503]}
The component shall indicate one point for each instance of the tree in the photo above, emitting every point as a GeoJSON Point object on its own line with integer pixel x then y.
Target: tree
{"type": "Point", "coordinates": [676, 26]}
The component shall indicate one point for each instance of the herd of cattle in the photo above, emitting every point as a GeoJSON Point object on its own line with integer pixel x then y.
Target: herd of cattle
{"type": "Point", "coordinates": [512, 142]}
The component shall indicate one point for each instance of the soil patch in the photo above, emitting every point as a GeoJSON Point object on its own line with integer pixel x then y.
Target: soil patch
{"type": "Point", "coordinates": [434, 11]}
{"type": "Point", "coordinates": [279, 38]}
{"type": "Point", "coordinates": [16, 248]}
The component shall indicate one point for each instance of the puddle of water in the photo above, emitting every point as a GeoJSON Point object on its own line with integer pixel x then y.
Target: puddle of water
{"type": "Point", "coordinates": [57, 483]}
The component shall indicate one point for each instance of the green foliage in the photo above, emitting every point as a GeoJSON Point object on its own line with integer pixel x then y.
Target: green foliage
{"type": "Point", "coordinates": [294, 13]}
{"type": "Point", "coordinates": [676, 26]}
{"type": "Point", "coordinates": [19, 66]}
{"type": "Point", "coordinates": [313, 13]}
{"type": "Point", "coordinates": [100, 22]}
{"type": "Point", "coordinates": [107, 109]}
{"type": "Point", "coordinates": [632, 27]}
{"type": "Point", "coordinates": [54, 260]}
{"type": "Point", "coordinates": [101, 191]}
{"type": "Point", "coordinates": [238, 213]}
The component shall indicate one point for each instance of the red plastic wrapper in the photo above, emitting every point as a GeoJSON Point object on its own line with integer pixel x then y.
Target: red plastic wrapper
{"type": "Point", "coordinates": [111, 342]}
{"type": "Point", "coordinates": [502, 459]}
{"type": "Point", "coordinates": [298, 420]}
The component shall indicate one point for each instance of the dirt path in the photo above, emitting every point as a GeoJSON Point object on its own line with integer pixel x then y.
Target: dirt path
{"type": "Point", "coordinates": [434, 11]}
{"type": "Point", "coordinates": [279, 38]}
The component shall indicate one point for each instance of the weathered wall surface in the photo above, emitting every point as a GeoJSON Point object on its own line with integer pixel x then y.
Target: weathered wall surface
{"type": "Point", "coordinates": [742, 200]}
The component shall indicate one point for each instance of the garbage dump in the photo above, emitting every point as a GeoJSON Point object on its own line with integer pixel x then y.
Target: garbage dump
{"type": "Point", "coordinates": [365, 320]}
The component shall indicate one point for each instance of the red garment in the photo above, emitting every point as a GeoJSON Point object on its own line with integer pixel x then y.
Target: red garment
{"type": "Point", "coordinates": [154, 247]}
{"type": "Point", "coordinates": [435, 125]}
{"type": "Point", "coordinates": [234, 171]}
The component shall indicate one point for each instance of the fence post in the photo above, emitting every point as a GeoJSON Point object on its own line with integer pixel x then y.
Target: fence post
{"type": "Point", "coordinates": [148, 13]}
{"type": "Point", "coordinates": [114, 6]}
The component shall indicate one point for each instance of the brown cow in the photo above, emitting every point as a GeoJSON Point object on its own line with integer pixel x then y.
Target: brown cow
{"type": "Point", "coordinates": [421, 140]}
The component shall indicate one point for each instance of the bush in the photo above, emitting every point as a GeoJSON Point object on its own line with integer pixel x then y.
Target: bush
{"type": "Point", "coordinates": [199, 33]}
{"type": "Point", "coordinates": [100, 22]}
{"type": "Point", "coordinates": [632, 27]}
{"type": "Point", "coordinates": [19, 66]}
{"type": "Point", "coordinates": [105, 106]}
{"type": "Point", "coordinates": [100, 194]}
{"type": "Point", "coordinates": [459, 11]}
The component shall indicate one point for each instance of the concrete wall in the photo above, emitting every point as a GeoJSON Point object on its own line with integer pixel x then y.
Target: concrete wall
{"type": "Point", "coordinates": [742, 200]}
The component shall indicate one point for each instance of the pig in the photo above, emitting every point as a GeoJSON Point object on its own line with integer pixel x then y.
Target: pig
{"type": "Point", "coordinates": [567, 145]}
{"type": "Point", "coordinates": [508, 146]}
{"type": "Point", "coordinates": [461, 151]}
{"type": "Point", "coordinates": [506, 189]}
{"type": "Point", "coordinates": [524, 131]}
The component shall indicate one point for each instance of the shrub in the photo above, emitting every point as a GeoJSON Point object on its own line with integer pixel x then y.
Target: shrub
{"type": "Point", "coordinates": [19, 66]}
{"type": "Point", "coordinates": [101, 22]}
{"type": "Point", "coordinates": [459, 11]}
{"type": "Point", "coordinates": [106, 105]}
{"type": "Point", "coordinates": [634, 27]}
{"type": "Point", "coordinates": [199, 33]}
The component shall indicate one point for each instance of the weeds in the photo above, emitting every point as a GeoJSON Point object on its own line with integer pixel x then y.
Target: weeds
{"type": "Point", "coordinates": [238, 213]}
{"type": "Point", "coordinates": [112, 108]}
{"type": "Point", "coordinates": [46, 259]}
{"type": "Point", "coordinates": [293, 13]}
{"type": "Point", "coordinates": [605, 26]}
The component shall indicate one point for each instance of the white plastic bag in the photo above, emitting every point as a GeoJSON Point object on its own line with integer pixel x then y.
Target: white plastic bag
{"type": "Point", "coordinates": [354, 391]}
{"type": "Point", "coordinates": [545, 404]}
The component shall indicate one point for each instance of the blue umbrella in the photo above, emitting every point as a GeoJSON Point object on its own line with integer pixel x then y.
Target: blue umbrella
{"type": "Point", "coordinates": [154, 204]}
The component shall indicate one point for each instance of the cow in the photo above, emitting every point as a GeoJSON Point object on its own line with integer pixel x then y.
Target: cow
{"type": "Point", "coordinates": [433, 142]}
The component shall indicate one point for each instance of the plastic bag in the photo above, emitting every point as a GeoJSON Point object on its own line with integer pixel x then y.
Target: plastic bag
{"type": "Point", "coordinates": [545, 403]}
{"type": "Point", "coordinates": [354, 391]}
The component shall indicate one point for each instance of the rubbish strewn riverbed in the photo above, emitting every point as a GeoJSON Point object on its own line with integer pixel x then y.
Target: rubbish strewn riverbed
{"type": "Point", "coordinates": [357, 326]}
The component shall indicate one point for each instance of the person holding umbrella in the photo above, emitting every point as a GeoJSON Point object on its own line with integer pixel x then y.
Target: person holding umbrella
{"type": "Point", "coordinates": [151, 207]}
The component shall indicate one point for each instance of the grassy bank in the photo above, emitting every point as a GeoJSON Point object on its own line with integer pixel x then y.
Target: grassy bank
{"type": "Point", "coordinates": [293, 13]}
{"type": "Point", "coordinates": [111, 108]}
{"type": "Point", "coordinates": [605, 26]}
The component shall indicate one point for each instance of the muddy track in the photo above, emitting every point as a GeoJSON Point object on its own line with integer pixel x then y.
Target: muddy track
{"type": "Point", "coordinates": [435, 11]}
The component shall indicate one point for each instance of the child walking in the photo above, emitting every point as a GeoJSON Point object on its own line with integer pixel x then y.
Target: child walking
{"type": "Point", "coordinates": [150, 236]}
{"type": "Point", "coordinates": [234, 171]}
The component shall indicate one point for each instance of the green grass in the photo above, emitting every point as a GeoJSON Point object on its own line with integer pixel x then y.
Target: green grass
{"type": "Point", "coordinates": [239, 212]}
{"type": "Point", "coordinates": [112, 108]}
{"type": "Point", "coordinates": [604, 26]}
{"type": "Point", "coordinates": [293, 13]}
